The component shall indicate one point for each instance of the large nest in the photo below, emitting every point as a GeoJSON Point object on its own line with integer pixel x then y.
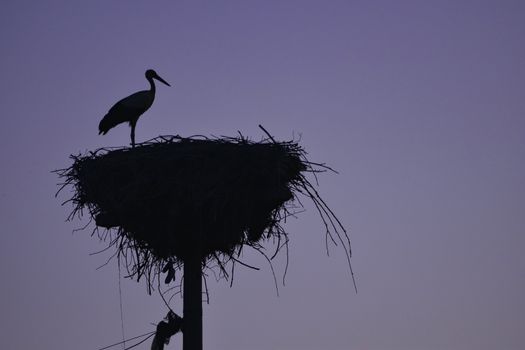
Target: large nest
{"type": "Point", "coordinates": [172, 197]}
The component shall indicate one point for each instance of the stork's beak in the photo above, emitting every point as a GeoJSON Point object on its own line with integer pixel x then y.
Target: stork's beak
{"type": "Point", "coordinates": [161, 80]}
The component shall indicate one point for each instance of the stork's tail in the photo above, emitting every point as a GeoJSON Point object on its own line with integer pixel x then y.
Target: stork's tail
{"type": "Point", "coordinates": [104, 125]}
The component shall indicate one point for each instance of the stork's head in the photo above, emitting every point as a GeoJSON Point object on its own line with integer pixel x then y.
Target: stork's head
{"type": "Point", "coordinates": [150, 73]}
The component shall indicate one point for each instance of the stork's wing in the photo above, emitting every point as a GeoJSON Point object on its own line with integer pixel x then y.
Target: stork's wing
{"type": "Point", "coordinates": [126, 110]}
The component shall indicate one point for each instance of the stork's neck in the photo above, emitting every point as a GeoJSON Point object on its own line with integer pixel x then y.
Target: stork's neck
{"type": "Point", "coordinates": [151, 84]}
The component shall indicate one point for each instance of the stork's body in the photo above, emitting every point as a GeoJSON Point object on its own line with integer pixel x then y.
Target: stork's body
{"type": "Point", "coordinates": [129, 109]}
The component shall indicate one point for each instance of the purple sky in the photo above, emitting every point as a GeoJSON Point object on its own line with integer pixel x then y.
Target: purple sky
{"type": "Point", "coordinates": [419, 104]}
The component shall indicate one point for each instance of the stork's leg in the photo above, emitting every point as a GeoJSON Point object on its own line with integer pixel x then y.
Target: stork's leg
{"type": "Point", "coordinates": [133, 134]}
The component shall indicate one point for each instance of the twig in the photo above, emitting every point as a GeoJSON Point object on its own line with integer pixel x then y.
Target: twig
{"type": "Point", "coordinates": [121, 342]}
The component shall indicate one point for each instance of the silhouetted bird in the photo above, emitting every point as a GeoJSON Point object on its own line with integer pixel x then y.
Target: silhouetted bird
{"type": "Point", "coordinates": [171, 325]}
{"type": "Point", "coordinates": [129, 109]}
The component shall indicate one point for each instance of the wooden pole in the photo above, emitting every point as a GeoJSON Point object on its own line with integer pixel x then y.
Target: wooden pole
{"type": "Point", "coordinates": [192, 329]}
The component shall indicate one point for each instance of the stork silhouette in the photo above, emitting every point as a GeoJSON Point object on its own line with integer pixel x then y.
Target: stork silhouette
{"type": "Point", "coordinates": [129, 109]}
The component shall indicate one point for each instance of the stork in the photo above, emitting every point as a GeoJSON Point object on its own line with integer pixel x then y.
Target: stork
{"type": "Point", "coordinates": [129, 109]}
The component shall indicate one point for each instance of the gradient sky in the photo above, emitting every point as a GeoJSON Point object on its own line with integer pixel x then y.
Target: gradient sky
{"type": "Point", "coordinates": [418, 104]}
